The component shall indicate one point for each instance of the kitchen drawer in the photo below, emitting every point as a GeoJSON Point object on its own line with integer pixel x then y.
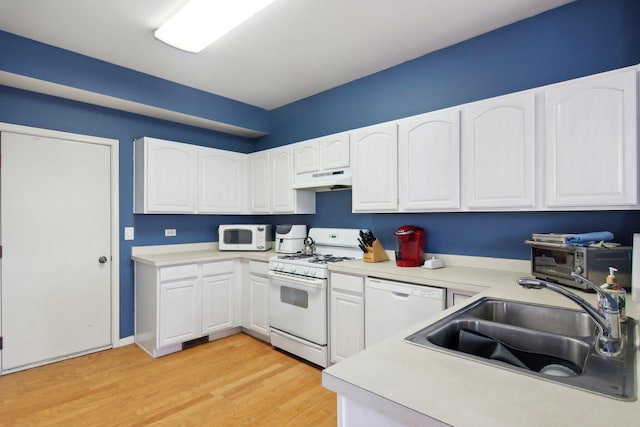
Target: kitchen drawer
{"type": "Point", "coordinates": [258, 268]}
{"type": "Point", "coordinates": [220, 267]}
{"type": "Point", "coordinates": [347, 283]}
{"type": "Point", "coordinates": [178, 272]}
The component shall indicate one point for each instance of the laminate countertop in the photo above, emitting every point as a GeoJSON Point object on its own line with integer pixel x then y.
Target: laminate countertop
{"type": "Point", "coordinates": [412, 384]}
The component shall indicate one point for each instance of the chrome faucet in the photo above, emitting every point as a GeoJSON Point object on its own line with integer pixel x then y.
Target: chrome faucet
{"type": "Point", "coordinates": [607, 318]}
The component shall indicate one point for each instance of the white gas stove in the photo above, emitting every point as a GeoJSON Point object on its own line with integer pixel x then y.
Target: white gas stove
{"type": "Point", "coordinates": [298, 293]}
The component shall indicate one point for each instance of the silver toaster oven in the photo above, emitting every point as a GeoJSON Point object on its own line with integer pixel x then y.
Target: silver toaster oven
{"type": "Point", "coordinates": [554, 263]}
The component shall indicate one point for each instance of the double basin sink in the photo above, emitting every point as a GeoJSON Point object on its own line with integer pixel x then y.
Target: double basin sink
{"type": "Point", "coordinates": [551, 343]}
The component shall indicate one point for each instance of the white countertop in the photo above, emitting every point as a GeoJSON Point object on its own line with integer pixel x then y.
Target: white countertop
{"type": "Point", "coordinates": [163, 255]}
{"type": "Point", "coordinates": [409, 382]}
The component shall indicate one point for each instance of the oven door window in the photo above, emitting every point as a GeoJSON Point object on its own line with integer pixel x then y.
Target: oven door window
{"type": "Point", "coordinates": [555, 262]}
{"type": "Point", "coordinates": [238, 236]}
{"type": "Point", "coordinates": [292, 296]}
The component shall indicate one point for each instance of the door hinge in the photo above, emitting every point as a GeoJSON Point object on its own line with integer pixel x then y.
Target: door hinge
{"type": "Point", "coordinates": [0, 251]}
{"type": "Point", "coordinates": [1, 346]}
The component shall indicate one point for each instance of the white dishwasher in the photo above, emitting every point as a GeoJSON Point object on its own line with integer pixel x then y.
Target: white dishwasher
{"type": "Point", "coordinates": [392, 306]}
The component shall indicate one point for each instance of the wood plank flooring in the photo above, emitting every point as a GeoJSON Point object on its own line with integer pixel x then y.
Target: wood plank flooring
{"type": "Point", "coordinates": [235, 381]}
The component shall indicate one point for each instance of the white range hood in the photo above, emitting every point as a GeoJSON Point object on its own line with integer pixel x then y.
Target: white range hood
{"type": "Point", "coordinates": [338, 179]}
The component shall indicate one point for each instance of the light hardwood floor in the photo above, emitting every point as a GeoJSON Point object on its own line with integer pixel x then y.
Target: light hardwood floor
{"type": "Point", "coordinates": [235, 381]}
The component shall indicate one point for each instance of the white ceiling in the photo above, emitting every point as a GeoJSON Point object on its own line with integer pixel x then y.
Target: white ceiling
{"type": "Point", "coordinates": [289, 51]}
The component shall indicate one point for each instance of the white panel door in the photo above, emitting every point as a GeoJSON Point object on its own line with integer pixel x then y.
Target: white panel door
{"type": "Point", "coordinates": [429, 161]}
{"type": "Point", "coordinates": [56, 221]}
{"type": "Point", "coordinates": [375, 168]}
{"type": "Point", "coordinates": [499, 153]}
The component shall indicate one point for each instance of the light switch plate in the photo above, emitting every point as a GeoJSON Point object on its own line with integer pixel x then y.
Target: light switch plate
{"type": "Point", "coordinates": [128, 233]}
{"type": "Point", "coordinates": [169, 232]}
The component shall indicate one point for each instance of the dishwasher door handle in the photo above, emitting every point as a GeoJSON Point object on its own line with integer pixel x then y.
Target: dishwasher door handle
{"type": "Point", "coordinates": [400, 294]}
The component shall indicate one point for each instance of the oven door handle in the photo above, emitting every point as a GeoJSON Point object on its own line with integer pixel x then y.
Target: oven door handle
{"type": "Point", "coordinates": [309, 282]}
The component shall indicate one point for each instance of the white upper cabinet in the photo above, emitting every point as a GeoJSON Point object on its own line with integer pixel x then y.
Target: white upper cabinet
{"type": "Point", "coordinates": [429, 161]}
{"type": "Point", "coordinates": [165, 177]}
{"type": "Point", "coordinates": [222, 181]}
{"type": "Point", "coordinates": [591, 141]}
{"type": "Point", "coordinates": [270, 181]}
{"type": "Point", "coordinates": [499, 152]}
{"type": "Point", "coordinates": [328, 152]}
{"type": "Point", "coordinates": [374, 154]}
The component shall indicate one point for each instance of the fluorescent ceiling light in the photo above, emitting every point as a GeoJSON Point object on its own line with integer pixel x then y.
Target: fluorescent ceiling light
{"type": "Point", "coordinates": [201, 22]}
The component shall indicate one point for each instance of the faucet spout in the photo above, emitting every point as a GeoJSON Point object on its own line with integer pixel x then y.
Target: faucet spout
{"type": "Point", "coordinates": [607, 319]}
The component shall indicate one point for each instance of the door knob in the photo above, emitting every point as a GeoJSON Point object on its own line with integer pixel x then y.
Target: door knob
{"type": "Point", "coordinates": [102, 259]}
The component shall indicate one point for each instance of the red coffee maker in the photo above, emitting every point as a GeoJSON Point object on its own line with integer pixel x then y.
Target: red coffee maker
{"type": "Point", "coordinates": [409, 246]}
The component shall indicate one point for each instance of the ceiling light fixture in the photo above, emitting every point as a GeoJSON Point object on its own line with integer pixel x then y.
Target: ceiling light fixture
{"type": "Point", "coordinates": [201, 22]}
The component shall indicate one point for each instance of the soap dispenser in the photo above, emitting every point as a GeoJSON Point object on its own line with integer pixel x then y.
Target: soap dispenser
{"type": "Point", "coordinates": [612, 288]}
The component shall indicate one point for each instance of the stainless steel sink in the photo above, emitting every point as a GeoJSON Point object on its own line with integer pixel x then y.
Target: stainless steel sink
{"type": "Point", "coordinates": [550, 343]}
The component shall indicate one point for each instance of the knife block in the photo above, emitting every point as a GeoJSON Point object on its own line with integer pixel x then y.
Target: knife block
{"type": "Point", "coordinates": [376, 253]}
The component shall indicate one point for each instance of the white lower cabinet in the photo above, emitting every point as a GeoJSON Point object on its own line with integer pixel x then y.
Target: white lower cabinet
{"type": "Point", "coordinates": [178, 312]}
{"type": "Point", "coordinates": [346, 316]}
{"type": "Point", "coordinates": [255, 300]}
{"type": "Point", "coordinates": [179, 303]}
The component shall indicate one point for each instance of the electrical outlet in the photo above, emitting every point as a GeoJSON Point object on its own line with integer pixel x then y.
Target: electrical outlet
{"type": "Point", "coordinates": [169, 232]}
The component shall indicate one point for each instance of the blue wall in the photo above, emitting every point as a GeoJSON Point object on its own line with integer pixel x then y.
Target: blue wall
{"type": "Point", "coordinates": [581, 38]}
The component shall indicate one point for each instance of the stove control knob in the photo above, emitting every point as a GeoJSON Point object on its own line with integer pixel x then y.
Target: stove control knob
{"type": "Point", "coordinates": [292, 269]}
{"type": "Point", "coordinates": [307, 272]}
{"type": "Point", "coordinates": [280, 267]}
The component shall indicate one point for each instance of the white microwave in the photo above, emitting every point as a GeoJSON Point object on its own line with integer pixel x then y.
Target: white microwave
{"type": "Point", "coordinates": [244, 237]}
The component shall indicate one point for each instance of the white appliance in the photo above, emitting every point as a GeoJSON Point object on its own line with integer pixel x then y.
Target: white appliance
{"type": "Point", "coordinates": [244, 237]}
{"type": "Point", "coordinates": [290, 238]}
{"type": "Point", "coordinates": [298, 298]}
{"type": "Point", "coordinates": [393, 306]}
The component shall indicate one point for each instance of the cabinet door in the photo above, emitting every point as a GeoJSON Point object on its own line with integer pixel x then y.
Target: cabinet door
{"type": "Point", "coordinates": [307, 156]}
{"type": "Point", "coordinates": [590, 141]}
{"type": "Point", "coordinates": [282, 196]}
{"type": "Point", "coordinates": [374, 152]}
{"type": "Point", "coordinates": [218, 302]}
{"type": "Point", "coordinates": [334, 151]}
{"type": "Point", "coordinates": [179, 311]}
{"type": "Point", "coordinates": [258, 304]}
{"type": "Point", "coordinates": [347, 325]}
{"type": "Point", "coordinates": [429, 161]}
{"type": "Point", "coordinates": [171, 178]}
{"type": "Point", "coordinates": [259, 184]}
{"type": "Point", "coordinates": [221, 181]}
{"type": "Point", "coordinates": [499, 153]}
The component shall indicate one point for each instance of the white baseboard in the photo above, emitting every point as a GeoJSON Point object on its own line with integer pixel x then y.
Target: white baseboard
{"type": "Point", "coordinates": [124, 341]}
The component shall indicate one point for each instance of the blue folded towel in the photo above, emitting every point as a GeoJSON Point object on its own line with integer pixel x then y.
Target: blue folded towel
{"type": "Point", "coordinates": [585, 239]}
